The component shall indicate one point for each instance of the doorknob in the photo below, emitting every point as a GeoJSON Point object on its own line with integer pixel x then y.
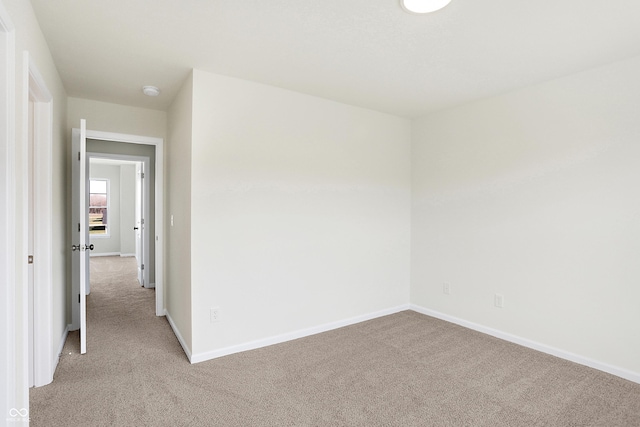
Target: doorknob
{"type": "Point", "coordinates": [79, 248]}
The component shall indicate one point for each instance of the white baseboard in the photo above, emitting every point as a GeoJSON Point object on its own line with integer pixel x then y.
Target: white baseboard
{"type": "Point", "coordinates": [94, 254]}
{"type": "Point", "coordinates": [178, 335]}
{"type": "Point", "coordinates": [614, 370]}
{"type": "Point", "coordinates": [150, 286]}
{"type": "Point", "coordinates": [127, 255]}
{"type": "Point", "coordinates": [201, 357]}
{"type": "Point", "coordinates": [63, 339]}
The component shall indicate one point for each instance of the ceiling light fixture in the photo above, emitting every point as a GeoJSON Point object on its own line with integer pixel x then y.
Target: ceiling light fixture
{"type": "Point", "coordinates": [150, 90]}
{"type": "Point", "coordinates": [423, 6]}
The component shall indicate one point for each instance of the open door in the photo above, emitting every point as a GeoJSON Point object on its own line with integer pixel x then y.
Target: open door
{"type": "Point", "coordinates": [80, 232]}
{"type": "Point", "coordinates": [139, 222]}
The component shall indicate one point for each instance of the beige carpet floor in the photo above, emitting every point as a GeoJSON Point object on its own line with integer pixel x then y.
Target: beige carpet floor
{"type": "Point", "coordinates": [406, 369]}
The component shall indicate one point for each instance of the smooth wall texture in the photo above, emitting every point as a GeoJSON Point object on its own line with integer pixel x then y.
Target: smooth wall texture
{"type": "Point", "coordinates": [534, 195]}
{"type": "Point", "coordinates": [116, 118]}
{"type": "Point", "coordinates": [178, 293]}
{"type": "Point", "coordinates": [300, 211]}
{"type": "Point", "coordinates": [28, 37]}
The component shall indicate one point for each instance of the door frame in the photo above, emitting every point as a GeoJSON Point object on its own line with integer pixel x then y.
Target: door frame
{"type": "Point", "coordinates": [8, 362]}
{"type": "Point", "coordinates": [35, 89]}
{"type": "Point", "coordinates": [158, 144]}
{"type": "Point", "coordinates": [146, 161]}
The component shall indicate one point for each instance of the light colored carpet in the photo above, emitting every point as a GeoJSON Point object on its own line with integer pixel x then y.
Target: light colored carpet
{"type": "Point", "coordinates": [406, 369]}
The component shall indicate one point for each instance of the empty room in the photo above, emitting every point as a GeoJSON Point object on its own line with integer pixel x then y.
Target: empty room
{"type": "Point", "coordinates": [355, 213]}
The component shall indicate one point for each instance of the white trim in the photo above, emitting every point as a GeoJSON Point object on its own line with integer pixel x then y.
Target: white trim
{"type": "Point", "coordinates": [614, 370]}
{"type": "Point", "coordinates": [178, 335]}
{"type": "Point", "coordinates": [120, 137]}
{"type": "Point", "coordinates": [159, 201]}
{"type": "Point", "coordinates": [63, 339]}
{"type": "Point", "coordinates": [127, 255]}
{"type": "Point", "coordinates": [35, 88]}
{"type": "Point", "coordinates": [8, 390]}
{"type": "Point", "coordinates": [277, 339]}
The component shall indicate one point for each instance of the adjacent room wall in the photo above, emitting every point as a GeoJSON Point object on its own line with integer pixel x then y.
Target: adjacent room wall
{"type": "Point", "coordinates": [178, 294]}
{"type": "Point", "coordinates": [300, 211]}
{"type": "Point", "coordinates": [116, 118]}
{"type": "Point", "coordinates": [534, 195]}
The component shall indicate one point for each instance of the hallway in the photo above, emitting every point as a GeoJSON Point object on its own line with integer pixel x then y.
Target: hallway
{"type": "Point", "coordinates": [126, 343]}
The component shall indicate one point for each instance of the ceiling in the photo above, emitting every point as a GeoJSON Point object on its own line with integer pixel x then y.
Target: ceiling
{"type": "Point", "coordinates": [368, 53]}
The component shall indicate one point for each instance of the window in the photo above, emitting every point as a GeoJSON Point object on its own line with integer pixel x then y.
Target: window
{"type": "Point", "coordinates": [98, 207]}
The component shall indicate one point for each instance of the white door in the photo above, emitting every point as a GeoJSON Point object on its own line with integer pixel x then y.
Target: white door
{"type": "Point", "coordinates": [30, 243]}
{"type": "Point", "coordinates": [79, 232]}
{"type": "Point", "coordinates": [139, 227]}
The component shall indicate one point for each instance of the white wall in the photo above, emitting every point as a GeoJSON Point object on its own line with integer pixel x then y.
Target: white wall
{"type": "Point", "coordinates": [107, 117]}
{"type": "Point", "coordinates": [534, 195]}
{"type": "Point", "coordinates": [28, 37]}
{"type": "Point", "coordinates": [300, 211]}
{"type": "Point", "coordinates": [178, 295]}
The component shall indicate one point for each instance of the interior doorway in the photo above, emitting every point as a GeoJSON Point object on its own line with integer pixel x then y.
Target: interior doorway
{"type": "Point", "coordinates": [119, 209]}
{"type": "Point", "coordinates": [105, 144]}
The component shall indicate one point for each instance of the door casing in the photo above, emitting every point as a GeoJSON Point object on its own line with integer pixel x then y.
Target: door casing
{"type": "Point", "coordinates": [158, 144]}
{"type": "Point", "coordinates": [41, 337]}
{"type": "Point", "coordinates": [8, 376]}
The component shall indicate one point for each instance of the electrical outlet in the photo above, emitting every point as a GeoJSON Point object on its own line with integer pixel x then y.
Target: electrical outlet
{"type": "Point", "coordinates": [498, 300]}
{"type": "Point", "coordinates": [446, 289]}
{"type": "Point", "coordinates": [215, 314]}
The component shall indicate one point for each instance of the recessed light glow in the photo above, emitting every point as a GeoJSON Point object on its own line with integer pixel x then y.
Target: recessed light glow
{"type": "Point", "coordinates": [424, 6]}
{"type": "Point", "coordinates": [150, 90]}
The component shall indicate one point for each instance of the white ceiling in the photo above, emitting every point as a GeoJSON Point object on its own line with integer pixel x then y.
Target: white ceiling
{"type": "Point", "coordinates": [362, 52]}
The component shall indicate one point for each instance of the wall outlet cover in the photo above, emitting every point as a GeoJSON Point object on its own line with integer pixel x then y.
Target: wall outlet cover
{"type": "Point", "coordinates": [215, 314]}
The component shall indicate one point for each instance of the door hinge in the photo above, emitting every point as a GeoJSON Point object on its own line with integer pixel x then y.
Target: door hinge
{"type": "Point", "coordinates": [78, 227]}
{"type": "Point", "coordinates": [142, 175]}
{"type": "Point", "coordinates": [142, 267]}
{"type": "Point", "coordinates": [78, 156]}
{"type": "Point", "coordinates": [142, 221]}
{"type": "Point", "coordinates": [30, 259]}
{"type": "Point", "coordinates": [78, 298]}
